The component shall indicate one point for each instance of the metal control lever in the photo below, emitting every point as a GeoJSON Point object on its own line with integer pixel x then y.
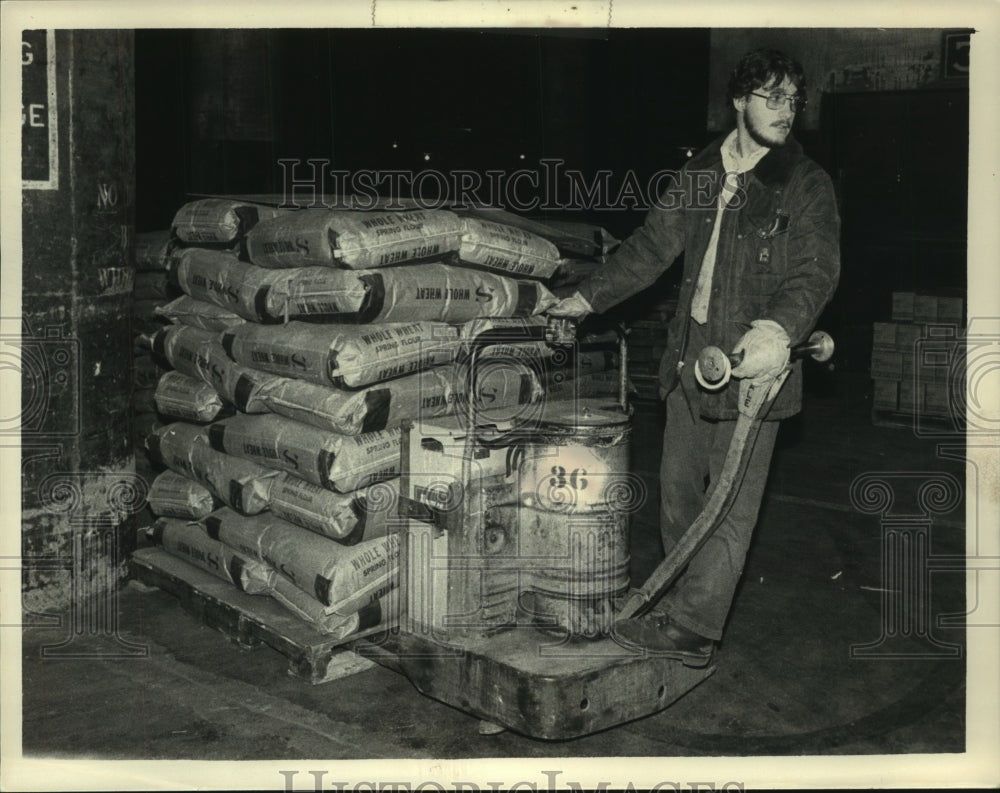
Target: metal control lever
{"type": "Point", "coordinates": [561, 332]}
{"type": "Point", "coordinates": [714, 367]}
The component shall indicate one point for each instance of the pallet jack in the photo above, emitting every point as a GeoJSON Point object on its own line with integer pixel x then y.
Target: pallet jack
{"type": "Point", "coordinates": [515, 549]}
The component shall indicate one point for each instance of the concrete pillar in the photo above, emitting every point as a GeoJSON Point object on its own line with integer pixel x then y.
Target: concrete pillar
{"type": "Point", "coordinates": [79, 490]}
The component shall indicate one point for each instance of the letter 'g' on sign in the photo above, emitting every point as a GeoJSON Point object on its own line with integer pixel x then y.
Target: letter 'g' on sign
{"type": "Point", "coordinates": [39, 123]}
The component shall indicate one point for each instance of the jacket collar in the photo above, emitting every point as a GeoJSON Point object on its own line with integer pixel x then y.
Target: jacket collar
{"type": "Point", "coordinates": [774, 168]}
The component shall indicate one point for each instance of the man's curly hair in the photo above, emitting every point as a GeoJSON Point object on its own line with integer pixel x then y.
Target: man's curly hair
{"type": "Point", "coordinates": [764, 67]}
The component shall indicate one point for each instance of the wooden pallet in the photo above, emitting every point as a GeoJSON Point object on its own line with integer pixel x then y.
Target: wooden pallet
{"type": "Point", "coordinates": [250, 620]}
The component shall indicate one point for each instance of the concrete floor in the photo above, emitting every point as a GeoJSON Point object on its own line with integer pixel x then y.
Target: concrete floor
{"type": "Point", "coordinates": [786, 682]}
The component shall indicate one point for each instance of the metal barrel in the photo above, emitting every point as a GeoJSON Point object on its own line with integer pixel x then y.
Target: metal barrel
{"type": "Point", "coordinates": [574, 496]}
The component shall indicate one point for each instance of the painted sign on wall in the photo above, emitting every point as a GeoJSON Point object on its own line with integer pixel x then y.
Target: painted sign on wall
{"type": "Point", "coordinates": [955, 60]}
{"type": "Point", "coordinates": [39, 130]}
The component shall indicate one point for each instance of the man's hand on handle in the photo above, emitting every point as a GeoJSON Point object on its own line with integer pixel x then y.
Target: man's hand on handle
{"type": "Point", "coordinates": [765, 350]}
{"type": "Point", "coordinates": [575, 307]}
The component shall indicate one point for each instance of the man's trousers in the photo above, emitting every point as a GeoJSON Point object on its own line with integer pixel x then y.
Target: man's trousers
{"type": "Point", "coordinates": [694, 450]}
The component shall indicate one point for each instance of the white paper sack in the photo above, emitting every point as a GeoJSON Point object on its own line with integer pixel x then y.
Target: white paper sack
{"type": "Point", "coordinates": [347, 518]}
{"type": "Point", "coordinates": [453, 294]}
{"type": "Point", "coordinates": [358, 240]}
{"type": "Point", "coordinates": [172, 445]}
{"type": "Point", "coordinates": [237, 385]}
{"type": "Point", "coordinates": [176, 496]}
{"type": "Point", "coordinates": [181, 346]}
{"type": "Point", "coordinates": [350, 355]}
{"type": "Point", "coordinates": [197, 353]}
{"type": "Point", "coordinates": [501, 385]}
{"type": "Point", "coordinates": [365, 355]}
{"type": "Point", "coordinates": [186, 310]}
{"type": "Point", "coordinates": [506, 249]}
{"type": "Point", "coordinates": [220, 219]}
{"type": "Point", "coordinates": [298, 349]}
{"type": "Point", "coordinates": [319, 294]}
{"type": "Point", "coordinates": [341, 577]}
{"type": "Point", "coordinates": [152, 248]}
{"type": "Point", "coordinates": [386, 405]}
{"type": "Point", "coordinates": [184, 397]}
{"type": "Point", "coordinates": [324, 407]}
{"type": "Point", "coordinates": [337, 626]}
{"type": "Point", "coordinates": [188, 541]}
{"type": "Point", "coordinates": [420, 292]}
{"type": "Point", "coordinates": [334, 461]}
{"type": "Point", "coordinates": [218, 277]}
{"type": "Point", "coordinates": [241, 484]}
{"type": "Point", "coordinates": [366, 459]}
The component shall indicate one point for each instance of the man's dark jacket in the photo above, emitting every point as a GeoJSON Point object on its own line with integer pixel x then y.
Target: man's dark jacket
{"type": "Point", "coordinates": [778, 258]}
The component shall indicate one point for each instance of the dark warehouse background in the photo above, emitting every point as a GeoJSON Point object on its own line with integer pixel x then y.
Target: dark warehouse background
{"type": "Point", "coordinates": [150, 119]}
{"type": "Point", "coordinates": [217, 109]}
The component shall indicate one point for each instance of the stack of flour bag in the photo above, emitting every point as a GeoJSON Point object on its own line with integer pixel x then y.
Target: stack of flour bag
{"type": "Point", "coordinates": [300, 342]}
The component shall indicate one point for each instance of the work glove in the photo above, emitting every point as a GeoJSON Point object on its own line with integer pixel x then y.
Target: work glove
{"type": "Point", "coordinates": [575, 307]}
{"type": "Point", "coordinates": [765, 350]}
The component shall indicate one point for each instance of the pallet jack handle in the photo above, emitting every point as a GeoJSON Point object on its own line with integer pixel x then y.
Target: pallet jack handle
{"type": "Point", "coordinates": [714, 367]}
{"type": "Point", "coordinates": [756, 397]}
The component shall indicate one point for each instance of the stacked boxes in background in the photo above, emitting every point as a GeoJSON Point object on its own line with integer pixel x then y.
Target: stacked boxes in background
{"type": "Point", "coordinates": [647, 341]}
{"type": "Point", "coordinates": [914, 365]}
{"type": "Point", "coordinates": [152, 288]}
{"type": "Point", "coordinates": [298, 343]}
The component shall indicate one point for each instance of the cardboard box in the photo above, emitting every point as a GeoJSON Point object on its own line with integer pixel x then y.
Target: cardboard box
{"type": "Point", "coordinates": [902, 306]}
{"type": "Point", "coordinates": [908, 365]}
{"type": "Point", "coordinates": [908, 335]}
{"type": "Point", "coordinates": [911, 398]}
{"type": "Point", "coordinates": [924, 308]}
{"type": "Point", "coordinates": [884, 335]}
{"type": "Point", "coordinates": [885, 394]}
{"type": "Point", "coordinates": [938, 400]}
{"type": "Point", "coordinates": [950, 310]}
{"type": "Point", "coordinates": [935, 363]}
{"type": "Point", "coordinates": [887, 365]}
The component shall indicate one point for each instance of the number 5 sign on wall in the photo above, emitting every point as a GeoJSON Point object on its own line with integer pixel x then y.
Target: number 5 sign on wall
{"type": "Point", "coordinates": [955, 58]}
{"type": "Point", "coordinates": [39, 128]}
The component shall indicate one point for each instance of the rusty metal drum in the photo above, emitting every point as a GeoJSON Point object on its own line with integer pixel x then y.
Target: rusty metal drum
{"type": "Point", "coordinates": [574, 497]}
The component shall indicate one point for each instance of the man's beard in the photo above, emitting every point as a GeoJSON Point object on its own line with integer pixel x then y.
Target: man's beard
{"type": "Point", "coordinates": [757, 134]}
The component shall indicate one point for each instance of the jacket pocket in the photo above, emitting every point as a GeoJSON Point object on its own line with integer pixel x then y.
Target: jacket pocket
{"type": "Point", "coordinates": [767, 244]}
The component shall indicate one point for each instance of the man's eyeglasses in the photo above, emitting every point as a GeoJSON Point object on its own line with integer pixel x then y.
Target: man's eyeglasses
{"type": "Point", "coordinates": [776, 101]}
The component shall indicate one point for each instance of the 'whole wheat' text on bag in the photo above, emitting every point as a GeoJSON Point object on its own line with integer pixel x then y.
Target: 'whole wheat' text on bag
{"type": "Point", "coordinates": [507, 249]}
{"type": "Point", "coordinates": [358, 240]}
{"type": "Point", "coordinates": [435, 292]}
{"type": "Point", "coordinates": [350, 355]}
